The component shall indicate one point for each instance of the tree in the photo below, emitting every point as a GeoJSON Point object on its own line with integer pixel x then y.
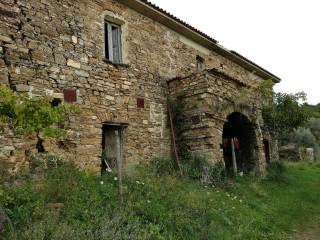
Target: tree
{"type": "Point", "coordinates": [27, 115]}
{"type": "Point", "coordinates": [314, 110]}
{"type": "Point", "coordinates": [314, 125]}
{"type": "Point", "coordinates": [303, 137]}
{"type": "Point", "coordinates": [282, 112]}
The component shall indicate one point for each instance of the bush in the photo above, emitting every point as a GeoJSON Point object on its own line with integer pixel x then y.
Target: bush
{"type": "Point", "coordinates": [45, 161]}
{"type": "Point", "coordinates": [303, 138]}
{"type": "Point", "coordinates": [199, 168]}
{"type": "Point", "coordinates": [2, 219]}
{"type": "Point", "coordinates": [69, 204]}
{"type": "Point", "coordinates": [163, 166]}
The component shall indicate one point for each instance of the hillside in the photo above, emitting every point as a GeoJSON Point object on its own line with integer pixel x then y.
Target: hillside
{"type": "Point", "coordinates": [64, 203]}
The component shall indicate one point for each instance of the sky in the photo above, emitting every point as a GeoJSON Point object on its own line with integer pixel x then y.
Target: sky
{"type": "Point", "coordinates": [282, 36]}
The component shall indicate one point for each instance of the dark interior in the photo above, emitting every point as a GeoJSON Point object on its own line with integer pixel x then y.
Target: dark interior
{"type": "Point", "coordinates": [239, 126]}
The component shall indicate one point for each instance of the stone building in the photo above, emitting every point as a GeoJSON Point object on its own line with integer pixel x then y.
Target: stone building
{"type": "Point", "coordinates": [119, 60]}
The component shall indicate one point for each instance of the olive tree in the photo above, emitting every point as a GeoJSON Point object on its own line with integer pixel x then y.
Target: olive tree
{"type": "Point", "coordinates": [282, 112]}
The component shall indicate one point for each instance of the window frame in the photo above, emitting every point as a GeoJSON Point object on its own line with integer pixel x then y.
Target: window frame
{"type": "Point", "coordinates": [200, 62]}
{"type": "Point", "coordinates": [109, 52]}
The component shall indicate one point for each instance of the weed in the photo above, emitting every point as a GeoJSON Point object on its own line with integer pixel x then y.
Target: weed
{"type": "Point", "coordinates": [69, 204]}
{"type": "Point", "coordinates": [276, 171]}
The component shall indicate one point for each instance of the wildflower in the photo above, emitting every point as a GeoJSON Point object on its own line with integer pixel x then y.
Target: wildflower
{"type": "Point", "coordinates": [101, 182]}
{"type": "Point", "coordinates": [240, 200]}
{"type": "Point", "coordinates": [148, 201]}
{"type": "Point", "coordinates": [137, 182]}
{"type": "Point", "coordinates": [115, 178]}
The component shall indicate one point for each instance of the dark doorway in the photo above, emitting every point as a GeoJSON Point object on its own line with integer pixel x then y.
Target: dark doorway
{"type": "Point", "coordinates": [241, 131]}
{"type": "Point", "coordinates": [266, 150]}
{"type": "Point", "coordinates": [110, 146]}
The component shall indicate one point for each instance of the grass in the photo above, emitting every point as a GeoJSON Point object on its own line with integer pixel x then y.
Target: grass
{"type": "Point", "coordinates": [64, 203]}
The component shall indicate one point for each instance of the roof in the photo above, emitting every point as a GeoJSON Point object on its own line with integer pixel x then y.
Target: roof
{"type": "Point", "coordinates": [160, 15]}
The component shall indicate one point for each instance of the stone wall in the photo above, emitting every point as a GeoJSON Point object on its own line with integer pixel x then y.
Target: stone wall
{"type": "Point", "coordinates": [47, 47]}
{"type": "Point", "coordinates": [209, 98]}
{"type": "Point", "coordinates": [14, 152]}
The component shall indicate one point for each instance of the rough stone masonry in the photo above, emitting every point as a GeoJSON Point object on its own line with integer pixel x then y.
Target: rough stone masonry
{"type": "Point", "coordinates": [58, 48]}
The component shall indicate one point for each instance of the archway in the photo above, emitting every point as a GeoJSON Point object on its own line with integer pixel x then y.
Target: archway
{"type": "Point", "coordinates": [240, 129]}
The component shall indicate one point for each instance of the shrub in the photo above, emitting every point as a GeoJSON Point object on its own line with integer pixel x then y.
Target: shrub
{"type": "Point", "coordinates": [2, 219]}
{"type": "Point", "coordinates": [199, 168]}
{"type": "Point", "coordinates": [303, 137]}
{"type": "Point", "coordinates": [45, 161]}
{"type": "Point", "coordinates": [163, 166]}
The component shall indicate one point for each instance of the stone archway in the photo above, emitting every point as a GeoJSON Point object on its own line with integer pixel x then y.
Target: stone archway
{"type": "Point", "coordinates": [241, 129]}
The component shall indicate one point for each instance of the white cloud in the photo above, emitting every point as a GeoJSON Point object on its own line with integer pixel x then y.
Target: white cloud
{"type": "Point", "coordinates": [281, 36]}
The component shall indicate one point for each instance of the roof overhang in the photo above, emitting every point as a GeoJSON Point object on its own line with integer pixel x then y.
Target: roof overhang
{"type": "Point", "coordinates": [157, 14]}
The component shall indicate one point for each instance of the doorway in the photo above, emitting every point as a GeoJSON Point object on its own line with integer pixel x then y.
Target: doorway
{"type": "Point", "coordinates": [112, 146]}
{"type": "Point", "coordinates": [266, 150]}
{"type": "Point", "coordinates": [239, 132]}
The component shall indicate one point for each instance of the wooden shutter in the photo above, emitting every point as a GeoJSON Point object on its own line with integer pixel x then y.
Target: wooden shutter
{"type": "Point", "coordinates": [116, 44]}
{"type": "Point", "coordinates": [110, 50]}
{"type": "Point", "coordinates": [140, 102]}
{"type": "Point", "coordinates": [113, 49]}
{"type": "Point", "coordinates": [106, 41]}
{"type": "Point", "coordinates": [70, 95]}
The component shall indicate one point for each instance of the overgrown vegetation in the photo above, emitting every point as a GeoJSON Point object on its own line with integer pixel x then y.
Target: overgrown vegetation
{"type": "Point", "coordinates": [282, 112]}
{"type": "Point", "coordinates": [290, 118]}
{"type": "Point", "coordinates": [194, 166]}
{"type": "Point", "coordinates": [64, 203]}
{"type": "Point", "coordinates": [27, 115]}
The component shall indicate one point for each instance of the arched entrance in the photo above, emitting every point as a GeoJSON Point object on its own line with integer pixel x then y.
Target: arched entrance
{"type": "Point", "coordinates": [239, 130]}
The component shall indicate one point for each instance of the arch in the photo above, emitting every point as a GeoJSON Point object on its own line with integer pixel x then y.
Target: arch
{"type": "Point", "coordinates": [241, 129]}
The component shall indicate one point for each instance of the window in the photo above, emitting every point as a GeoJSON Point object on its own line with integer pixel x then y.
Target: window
{"type": "Point", "coordinates": [200, 63]}
{"type": "Point", "coordinates": [113, 42]}
{"type": "Point", "coordinates": [56, 102]}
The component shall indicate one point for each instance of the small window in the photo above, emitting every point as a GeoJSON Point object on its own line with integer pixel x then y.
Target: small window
{"type": "Point", "coordinates": [200, 63]}
{"type": "Point", "coordinates": [113, 50]}
{"type": "Point", "coordinates": [56, 102]}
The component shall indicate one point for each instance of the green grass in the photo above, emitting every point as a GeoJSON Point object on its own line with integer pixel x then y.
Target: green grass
{"type": "Point", "coordinates": [65, 203]}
